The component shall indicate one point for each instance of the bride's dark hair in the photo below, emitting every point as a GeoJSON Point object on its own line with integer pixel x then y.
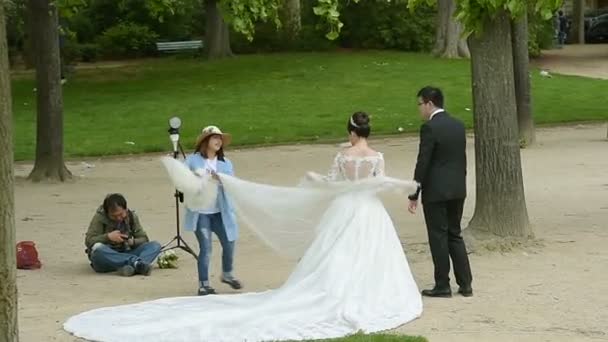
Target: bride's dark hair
{"type": "Point", "coordinates": [359, 123]}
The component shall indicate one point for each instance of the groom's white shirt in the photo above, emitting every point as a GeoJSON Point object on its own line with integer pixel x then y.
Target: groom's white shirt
{"type": "Point", "coordinates": [439, 110]}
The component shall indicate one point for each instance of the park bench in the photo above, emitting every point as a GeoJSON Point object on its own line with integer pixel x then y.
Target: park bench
{"type": "Point", "coordinates": [179, 46]}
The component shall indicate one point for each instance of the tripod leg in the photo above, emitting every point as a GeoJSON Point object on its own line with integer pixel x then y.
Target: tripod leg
{"type": "Point", "coordinates": [168, 243]}
{"type": "Point", "coordinates": [187, 248]}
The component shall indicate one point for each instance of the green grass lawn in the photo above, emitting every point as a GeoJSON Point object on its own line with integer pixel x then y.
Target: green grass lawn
{"type": "Point", "coordinates": [269, 99]}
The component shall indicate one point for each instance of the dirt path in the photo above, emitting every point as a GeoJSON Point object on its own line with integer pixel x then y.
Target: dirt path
{"type": "Point", "coordinates": [555, 293]}
{"type": "Point", "coordinates": [579, 60]}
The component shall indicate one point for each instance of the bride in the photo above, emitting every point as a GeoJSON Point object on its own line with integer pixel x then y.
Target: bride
{"type": "Point", "coordinates": [352, 273]}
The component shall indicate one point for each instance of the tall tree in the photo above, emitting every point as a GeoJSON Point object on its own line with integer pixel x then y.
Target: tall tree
{"type": "Point", "coordinates": [240, 15]}
{"type": "Point", "coordinates": [521, 68]}
{"type": "Point", "coordinates": [8, 271]}
{"type": "Point", "coordinates": [217, 35]}
{"type": "Point", "coordinates": [449, 40]}
{"type": "Point", "coordinates": [500, 205]}
{"type": "Point", "coordinates": [49, 164]}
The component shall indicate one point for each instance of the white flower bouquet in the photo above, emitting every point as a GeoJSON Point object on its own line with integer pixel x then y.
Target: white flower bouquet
{"type": "Point", "coordinates": [167, 259]}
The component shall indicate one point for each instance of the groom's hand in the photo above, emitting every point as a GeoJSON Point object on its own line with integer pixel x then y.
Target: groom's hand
{"type": "Point", "coordinates": [412, 206]}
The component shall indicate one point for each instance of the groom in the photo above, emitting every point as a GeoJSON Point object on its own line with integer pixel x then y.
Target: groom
{"type": "Point", "coordinates": [441, 175]}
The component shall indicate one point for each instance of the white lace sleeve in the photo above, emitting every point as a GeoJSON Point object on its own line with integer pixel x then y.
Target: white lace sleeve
{"type": "Point", "coordinates": [334, 171]}
{"type": "Point", "coordinates": [379, 172]}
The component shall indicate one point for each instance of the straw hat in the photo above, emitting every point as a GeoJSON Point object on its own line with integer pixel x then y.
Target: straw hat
{"type": "Point", "coordinates": [213, 130]}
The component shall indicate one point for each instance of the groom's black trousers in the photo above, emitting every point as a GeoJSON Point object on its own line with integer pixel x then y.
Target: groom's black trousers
{"type": "Point", "coordinates": [445, 239]}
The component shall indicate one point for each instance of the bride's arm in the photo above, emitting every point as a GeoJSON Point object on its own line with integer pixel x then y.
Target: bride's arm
{"type": "Point", "coordinates": [334, 170]}
{"type": "Point", "coordinates": [380, 167]}
{"type": "Point", "coordinates": [332, 174]}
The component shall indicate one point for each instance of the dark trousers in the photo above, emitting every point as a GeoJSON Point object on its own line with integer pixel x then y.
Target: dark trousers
{"type": "Point", "coordinates": [443, 226]}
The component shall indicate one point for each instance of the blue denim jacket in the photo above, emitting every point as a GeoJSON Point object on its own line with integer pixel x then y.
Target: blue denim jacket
{"type": "Point", "coordinates": [197, 161]}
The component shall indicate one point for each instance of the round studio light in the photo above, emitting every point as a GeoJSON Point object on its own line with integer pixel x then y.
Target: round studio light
{"type": "Point", "coordinates": [175, 122]}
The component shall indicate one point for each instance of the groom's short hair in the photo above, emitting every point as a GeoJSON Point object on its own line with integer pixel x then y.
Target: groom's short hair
{"type": "Point", "coordinates": [431, 94]}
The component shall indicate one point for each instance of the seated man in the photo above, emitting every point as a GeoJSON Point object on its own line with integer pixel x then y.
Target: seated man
{"type": "Point", "coordinates": [116, 240]}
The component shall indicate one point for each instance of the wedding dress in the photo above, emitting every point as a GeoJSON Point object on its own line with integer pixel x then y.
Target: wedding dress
{"type": "Point", "coordinates": [352, 274]}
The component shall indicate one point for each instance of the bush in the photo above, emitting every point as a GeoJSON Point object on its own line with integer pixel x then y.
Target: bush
{"type": "Point", "coordinates": [70, 53]}
{"type": "Point", "coordinates": [13, 55]}
{"type": "Point", "coordinates": [388, 25]}
{"type": "Point", "coordinates": [89, 52]}
{"type": "Point", "coordinates": [127, 40]}
{"type": "Point", "coordinates": [541, 34]}
{"type": "Point", "coordinates": [367, 25]}
{"type": "Point", "coordinates": [268, 38]}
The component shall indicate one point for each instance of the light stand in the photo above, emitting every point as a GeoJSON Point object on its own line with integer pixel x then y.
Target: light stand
{"type": "Point", "coordinates": [174, 124]}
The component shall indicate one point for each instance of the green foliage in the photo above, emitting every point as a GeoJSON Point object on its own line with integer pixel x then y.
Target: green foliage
{"type": "Point", "coordinates": [370, 24]}
{"type": "Point", "coordinates": [329, 10]}
{"type": "Point", "coordinates": [542, 34]}
{"type": "Point", "coordinates": [15, 26]}
{"type": "Point", "coordinates": [162, 9]}
{"type": "Point", "coordinates": [68, 8]}
{"type": "Point", "coordinates": [474, 13]}
{"type": "Point", "coordinates": [270, 38]}
{"type": "Point", "coordinates": [388, 25]}
{"type": "Point", "coordinates": [128, 40]}
{"type": "Point", "coordinates": [73, 52]}
{"type": "Point", "coordinates": [243, 14]}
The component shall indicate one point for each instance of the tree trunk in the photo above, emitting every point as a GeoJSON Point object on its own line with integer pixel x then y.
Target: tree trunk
{"type": "Point", "coordinates": [49, 164]}
{"type": "Point", "coordinates": [441, 27]}
{"type": "Point", "coordinates": [521, 68]}
{"type": "Point", "coordinates": [292, 22]}
{"type": "Point", "coordinates": [578, 22]}
{"type": "Point", "coordinates": [500, 207]}
{"type": "Point", "coordinates": [8, 270]}
{"type": "Point", "coordinates": [449, 42]}
{"type": "Point", "coordinates": [217, 36]}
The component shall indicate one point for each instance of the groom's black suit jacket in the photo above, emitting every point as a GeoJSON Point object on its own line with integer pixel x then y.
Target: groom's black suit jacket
{"type": "Point", "coordinates": [442, 163]}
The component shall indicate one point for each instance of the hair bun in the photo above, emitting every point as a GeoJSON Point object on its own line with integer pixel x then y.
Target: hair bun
{"type": "Point", "coordinates": [361, 119]}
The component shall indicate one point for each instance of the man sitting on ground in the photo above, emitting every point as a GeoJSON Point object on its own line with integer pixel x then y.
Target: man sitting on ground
{"type": "Point", "coordinates": [116, 240]}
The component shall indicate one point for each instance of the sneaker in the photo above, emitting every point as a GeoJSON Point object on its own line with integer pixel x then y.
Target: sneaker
{"type": "Point", "coordinates": [142, 268]}
{"type": "Point", "coordinates": [206, 290]}
{"type": "Point", "coordinates": [234, 283]}
{"type": "Point", "coordinates": [126, 271]}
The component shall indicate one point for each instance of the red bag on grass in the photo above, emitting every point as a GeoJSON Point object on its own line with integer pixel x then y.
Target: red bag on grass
{"type": "Point", "coordinates": [27, 256]}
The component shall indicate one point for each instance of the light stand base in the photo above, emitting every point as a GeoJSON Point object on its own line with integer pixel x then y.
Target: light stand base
{"type": "Point", "coordinates": [180, 242]}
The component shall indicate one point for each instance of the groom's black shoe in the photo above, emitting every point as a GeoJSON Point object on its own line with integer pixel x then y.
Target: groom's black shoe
{"type": "Point", "coordinates": [435, 292]}
{"type": "Point", "coordinates": [466, 291]}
